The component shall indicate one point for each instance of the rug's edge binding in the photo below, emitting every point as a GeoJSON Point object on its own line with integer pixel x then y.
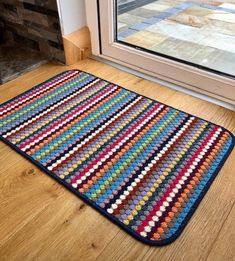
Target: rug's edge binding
{"type": "Point", "coordinates": [99, 209]}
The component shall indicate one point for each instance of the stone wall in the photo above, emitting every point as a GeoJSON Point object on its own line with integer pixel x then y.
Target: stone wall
{"type": "Point", "coordinates": [34, 23]}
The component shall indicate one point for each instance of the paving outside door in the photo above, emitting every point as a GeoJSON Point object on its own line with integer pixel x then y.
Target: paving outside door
{"type": "Point", "coordinates": [201, 33]}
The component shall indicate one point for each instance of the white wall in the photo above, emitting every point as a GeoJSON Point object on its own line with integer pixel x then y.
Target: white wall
{"type": "Point", "coordinates": [72, 15]}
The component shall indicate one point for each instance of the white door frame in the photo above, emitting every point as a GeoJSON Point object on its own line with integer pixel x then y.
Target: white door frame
{"type": "Point", "coordinates": [211, 84]}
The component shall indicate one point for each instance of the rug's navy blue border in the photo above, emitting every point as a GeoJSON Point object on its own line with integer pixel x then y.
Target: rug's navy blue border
{"type": "Point", "coordinates": [102, 211]}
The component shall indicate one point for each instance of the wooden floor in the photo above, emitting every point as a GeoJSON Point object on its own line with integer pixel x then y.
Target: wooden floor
{"type": "Point", "coordinates": [41, 220]}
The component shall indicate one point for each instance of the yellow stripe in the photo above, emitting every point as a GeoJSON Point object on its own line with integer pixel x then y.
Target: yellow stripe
{"type": "Point", "coordinates": [102, 142]}
{"type": "Point", "coordinates": [167, 171]}
{"type": "Point", "coordinates": [57, 115]}
{"type": "Point", "coordinates": [46, 98]}
{"type": "Point", "coordinates": [46, 152]}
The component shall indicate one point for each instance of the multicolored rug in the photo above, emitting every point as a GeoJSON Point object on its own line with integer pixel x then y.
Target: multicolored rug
{"type": "Point", "coordinates": [142, 164]}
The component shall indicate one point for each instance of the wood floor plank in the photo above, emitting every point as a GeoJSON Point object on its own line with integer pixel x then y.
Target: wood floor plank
{"type": "Point", "coordinates": [66, 229]}
{"type": "Point", "coordinates": [25, 191]}
{"type": "Point", "coordinates": [8, 156]}
{"type": "Point", "coordinates": [123, 248]}
{"type": "Point", "coordinates": [41, 220]}
{"type": "Point", "coordinates": [224, 247]}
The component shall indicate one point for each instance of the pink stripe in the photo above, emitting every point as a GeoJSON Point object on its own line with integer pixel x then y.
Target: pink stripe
{"type": "Point", "coordinates": [97, 133]}
{"type": "Point", "coordinates": [174, 183]}
{"type": "Point", "coordinates": [33, 93]}
{"type": "Point", "coordinates": [43, 114]}
{"type": "Point", "coordinates": [114, 144]}
{"type": "Point", "coordinates": [77, 109]}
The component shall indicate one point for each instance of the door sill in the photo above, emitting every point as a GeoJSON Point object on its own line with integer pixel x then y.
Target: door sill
{"type": "Point", "coordinates": [201, 94]}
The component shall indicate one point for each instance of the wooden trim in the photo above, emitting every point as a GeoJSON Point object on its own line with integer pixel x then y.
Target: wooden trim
{"type": "Point", "coordinates": [77, 46]}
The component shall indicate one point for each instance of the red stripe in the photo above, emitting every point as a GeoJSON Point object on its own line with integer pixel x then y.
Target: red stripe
{"type": "Point", "coordinates": [28, 100]}
{"type": "Point", "coordinates": [135, 189]}
{"type": "Point", "coordinates": [77, 109]}
{"type": "Point", "coordinates": [116, 143]}
{"type": "Point", "coordinates": [174, 183]}
{"type": "Point", "coordinates": [74, 121]}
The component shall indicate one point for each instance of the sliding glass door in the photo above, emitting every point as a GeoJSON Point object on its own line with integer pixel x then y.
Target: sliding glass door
{"type": "Point", "coordinates": [190, 43]}
{"type": "Point", "coordinates": [198, 33]}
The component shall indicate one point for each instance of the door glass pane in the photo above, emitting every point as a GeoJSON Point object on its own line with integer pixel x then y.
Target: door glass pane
{"type": "Point", "coordinates": [199, 33]}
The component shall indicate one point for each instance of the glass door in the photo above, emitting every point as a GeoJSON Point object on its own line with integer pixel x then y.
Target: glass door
{"type": "Point", "coordinates": [190, 43]}
{"type": "Point", "coordinates": [198, 33]}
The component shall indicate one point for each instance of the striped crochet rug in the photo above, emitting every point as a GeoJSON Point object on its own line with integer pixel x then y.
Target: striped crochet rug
{"type": "Point", "coordinates": [143, 164]}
